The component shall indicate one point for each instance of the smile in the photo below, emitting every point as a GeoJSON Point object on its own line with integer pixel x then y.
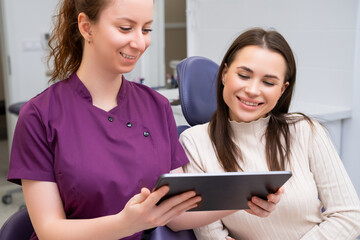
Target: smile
{"type": "Point", "coordinates": [127, 56]}
{"type": "Point", "coordinates": [249, 103]}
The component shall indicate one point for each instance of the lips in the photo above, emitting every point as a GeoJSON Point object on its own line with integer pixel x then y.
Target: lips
{"type": "Point", "coordinates": [251, 104]}
{"type": "Point", "coordinates": [127, 56]}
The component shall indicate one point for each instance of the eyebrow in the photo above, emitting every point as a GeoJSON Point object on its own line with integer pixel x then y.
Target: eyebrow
{"type": "Point", "coordinates": [251, 71]}
{"type": "Point", "coordinates": [132, 21]}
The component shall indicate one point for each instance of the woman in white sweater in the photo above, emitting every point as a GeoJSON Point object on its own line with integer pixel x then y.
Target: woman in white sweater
{"type": "Point", "coordinates": [253, 131]}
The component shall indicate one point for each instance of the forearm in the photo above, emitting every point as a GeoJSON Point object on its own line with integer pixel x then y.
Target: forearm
{"type": "Point", "coordinates": [140, 212]}
{"type": "Point", "coordinates": [344, 226]}
{"type": "Point", "coordinates": [336, 191]}
{"type": "Point", "coordinates": [49, 219]}
{"type": "Point", "coordinates": [214, 231]}
{"type": "Point", "coordinates": [190, 220]}
{"type": "Point", "coordinates": [108, 227]}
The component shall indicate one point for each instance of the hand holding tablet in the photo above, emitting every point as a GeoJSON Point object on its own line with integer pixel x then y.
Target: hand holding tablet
{"type": "Point", "coordinates": [224, 191]}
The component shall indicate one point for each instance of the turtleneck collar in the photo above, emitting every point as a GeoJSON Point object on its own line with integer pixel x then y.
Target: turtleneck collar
{"type": "Point", "coordinates": [256, 127]}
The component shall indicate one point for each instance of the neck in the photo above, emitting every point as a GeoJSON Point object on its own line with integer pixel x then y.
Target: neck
{"type": "Point", "coordinates": [102, 85]}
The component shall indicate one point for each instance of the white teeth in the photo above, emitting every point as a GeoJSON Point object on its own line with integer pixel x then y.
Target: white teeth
{"type": "Point", "coordinates": [127, 56]}
{"type": "Point", "coordinates": [249, 103]}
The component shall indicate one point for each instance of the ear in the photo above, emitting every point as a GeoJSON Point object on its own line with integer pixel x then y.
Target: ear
{"type": "Point", "coordinates": [284, 86]}
{"type": "Point", "coordinates": [85, 27]}
{"type": "Point", "coordinates": [223, 74]}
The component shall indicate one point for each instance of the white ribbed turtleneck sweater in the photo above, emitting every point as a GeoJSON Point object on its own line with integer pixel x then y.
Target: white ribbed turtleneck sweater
{"type": "Point", "coordinates": [317, 172]}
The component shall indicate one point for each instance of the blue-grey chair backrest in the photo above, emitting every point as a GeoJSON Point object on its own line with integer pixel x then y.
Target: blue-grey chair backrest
{"type": "Point", "coordinates": [197, 88]}
{"type": "Point", "coordinates": [164, 233]}
{"type": "Point", "coordinates": [18, 226]}
{"type": "Point", "coordinates": [197, 91]}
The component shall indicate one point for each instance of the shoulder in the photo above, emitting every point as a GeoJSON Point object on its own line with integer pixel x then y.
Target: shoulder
{"type": "Point", "coordinates": [45, 102]}
{"type": "Point", "coordinates": [52, 91]}
{"type": "Point", "coordinates": [143, 101]}
{"type": "Point", "coordinates": [198, 133]}
{"type": "Point", "coordinates": [197, 129]}
{"type": "Point", "coordinates": [300, 120]}
{"type": "Point", "coordinates": [302, 125]}
{"type": "Point", "coordinates": [145, 92]}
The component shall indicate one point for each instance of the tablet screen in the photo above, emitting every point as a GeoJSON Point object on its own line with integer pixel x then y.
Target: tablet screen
{"type": "Point", "coordinates": [224, 191]}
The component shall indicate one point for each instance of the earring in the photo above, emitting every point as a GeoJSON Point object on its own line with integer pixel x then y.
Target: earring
{"type": "Point", "coordinates": [89, 40]}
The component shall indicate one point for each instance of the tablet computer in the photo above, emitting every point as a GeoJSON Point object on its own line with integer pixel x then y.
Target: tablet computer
{"type": "Point", "coordinates": [224, 191]}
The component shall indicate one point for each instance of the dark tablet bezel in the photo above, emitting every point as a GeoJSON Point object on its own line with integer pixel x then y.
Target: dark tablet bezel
{"type": "Point", "coordinates": [224, 191]}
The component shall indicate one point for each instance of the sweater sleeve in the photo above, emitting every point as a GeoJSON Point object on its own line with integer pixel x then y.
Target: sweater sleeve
{"type": "Point", "coordinates": [215, 230]}
{"type": "Point", "coordinates": [336, 192]}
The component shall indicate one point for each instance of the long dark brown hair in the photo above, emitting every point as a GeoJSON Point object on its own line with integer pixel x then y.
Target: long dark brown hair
{"type": "Point", "coordinates": [277, 134]}
{"type": "Point", "coordinates": [66, 43]}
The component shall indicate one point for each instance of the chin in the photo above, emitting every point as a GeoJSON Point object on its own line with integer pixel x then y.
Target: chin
{"type": "Point", "coordinates": [246, 119]}
{"type": "Point", "coordinates": [123, 70]}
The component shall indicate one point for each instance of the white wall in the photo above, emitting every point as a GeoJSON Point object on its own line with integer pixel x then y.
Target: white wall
{"type": "Point", "coordinates": [322, 34]}
{"type": "Point", "coordinates": [351, 133]}
{"type": "Point", "coordinates": [24, 24]}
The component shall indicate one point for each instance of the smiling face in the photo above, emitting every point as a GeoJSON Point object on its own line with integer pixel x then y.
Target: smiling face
{"type": "Point", "coordinates": [121, 34]}
{"type": "Point", "coordinates": [253, 83]}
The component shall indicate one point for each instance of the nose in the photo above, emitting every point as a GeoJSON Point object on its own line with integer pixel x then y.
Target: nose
{"type": "Point", "coordinates": [139, 41]}
{"type": "Point", "coordinates": [253, 88]}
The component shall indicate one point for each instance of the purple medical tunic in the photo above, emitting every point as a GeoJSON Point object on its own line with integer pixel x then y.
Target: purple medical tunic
{"type": "Point", "coordinates": [98, 159]}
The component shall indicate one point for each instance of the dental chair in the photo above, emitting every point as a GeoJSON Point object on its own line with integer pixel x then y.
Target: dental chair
{"type": "Point", "coordinates": [17, 227]}
{"type": "Point", "coordinates": [197, 91]}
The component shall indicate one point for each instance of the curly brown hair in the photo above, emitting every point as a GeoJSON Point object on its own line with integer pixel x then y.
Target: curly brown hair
{"type": "Point", "coordinates": [66, 42]}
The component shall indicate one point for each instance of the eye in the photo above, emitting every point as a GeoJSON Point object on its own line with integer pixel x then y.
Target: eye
{"type": "Point", "coordinates": [147, 30]}
{"type": "Point", "coordinates": [267, 83]}
{"type": "Point", "coordinates": [242, 76]}
{"type": "Point", "coordinates": [125, 29]}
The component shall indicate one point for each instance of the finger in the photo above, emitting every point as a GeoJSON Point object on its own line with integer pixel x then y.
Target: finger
{"type": "Point", "coordinates": [176, 200]}
{"type": "Point", "coordinates": [182, 206]}
{"type": "Point", "coordinates": [178, 209]}
{"type": "Point", "coordinates": [165, 218]}
{"type": "Point", "coordinates": [139, 198]}
{"type": "Point", "coordinates": [264, 204]}
{"type": "Point", "coordinates": [249, 211]}
{"type": "Point", "coordinates": [257, 210]}
{"type": "Point", "coordinates": [170, 215]}
{"type": "Point", "coordinates": [275, 197]}
{"type": "Point", "coordinates": [155, 196]}
{"type": "Point", "coordinates": [281, 190]}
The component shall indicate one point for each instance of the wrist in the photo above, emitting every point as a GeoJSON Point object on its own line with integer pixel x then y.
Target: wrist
{"type": "Point", "coordinates": [122, 226]}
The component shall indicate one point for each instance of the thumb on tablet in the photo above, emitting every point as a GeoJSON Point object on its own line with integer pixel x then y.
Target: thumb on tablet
{"type": "Point", "coordinates": [141, 197]}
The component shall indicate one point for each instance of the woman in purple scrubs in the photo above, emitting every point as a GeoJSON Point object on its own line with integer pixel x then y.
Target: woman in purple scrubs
{"type": "Point", "coordinates": [89, 149]}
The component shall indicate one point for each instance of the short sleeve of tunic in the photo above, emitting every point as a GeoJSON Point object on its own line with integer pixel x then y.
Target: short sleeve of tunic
{"type": "Point", "coordinates": [32, 157]}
